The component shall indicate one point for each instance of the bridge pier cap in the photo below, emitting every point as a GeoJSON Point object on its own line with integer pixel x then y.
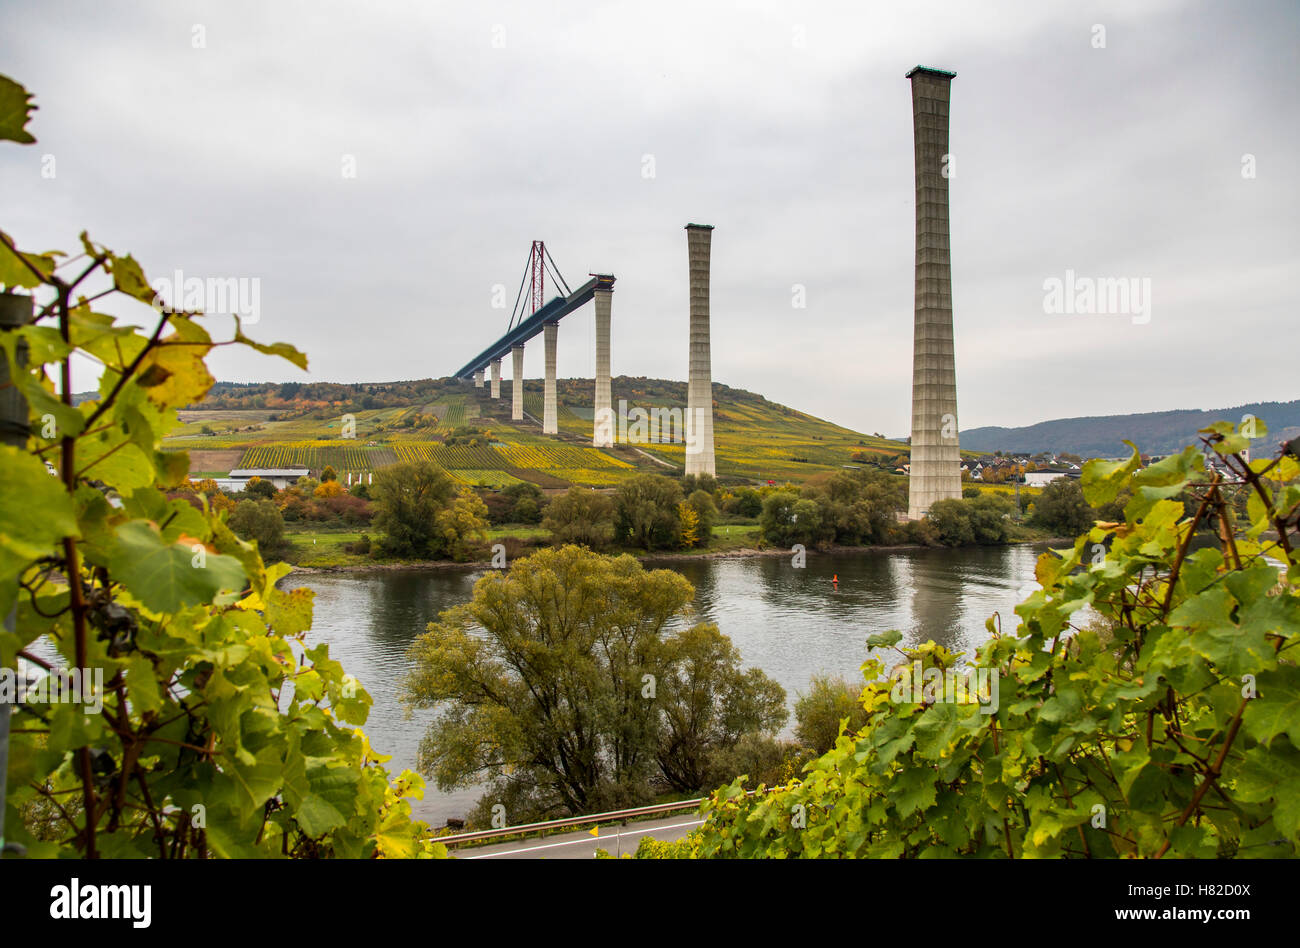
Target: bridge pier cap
{"type": "Point", "coordinates": [929, 71]}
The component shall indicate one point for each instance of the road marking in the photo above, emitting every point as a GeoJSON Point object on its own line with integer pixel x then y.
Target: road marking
{"type": "Point", "coordinates": [570, 842]}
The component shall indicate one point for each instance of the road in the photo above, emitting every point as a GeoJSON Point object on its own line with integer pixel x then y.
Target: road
{"type": "Point", "coordinates": [613, 838]}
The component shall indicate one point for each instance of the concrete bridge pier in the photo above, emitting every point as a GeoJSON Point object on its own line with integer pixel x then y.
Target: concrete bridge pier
{"type": "Point", "coordinates": [699, 392]}
{"type": "Point", "coordinates": [550, 406]}
{"type": "Point", "coordinates": [478, 378]}
{"type": "Point", "coordinates": [602, 435]}
{"type": "Point", "coordinates": [935, 472]}
{"type": "Point", "coordinates": [517, 387]}
{"type": "Point", "coordinates": [496, 378]}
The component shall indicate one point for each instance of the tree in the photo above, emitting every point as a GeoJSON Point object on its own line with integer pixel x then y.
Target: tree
{"type": "Point", "coordinates": [706, 514]}
{"type": "Point", "coordinates": [328, 488]}
{"type": "Point", "coordinates": [1171, 735]}
{"type": "Point", "coordinates": [646, 511]}
{"type": "Point", "coordinates": [581, 516]}
{"type": "Point", "coordinates": [329, 474]}
{"type": "Point", "coordinates": [951, 519]}
{"type": "Point", "coordinates": [778, 523]}
{"type": "Point", "coordinates": [257, 487]}
{"type": "Point", "coordinates": [989, 515]}
{"type": "Point", "coordinates": [1062, 509]}
{"type": "Point", "coordinates": [748, 503]}
{"type": "Point", "coordinates": [523, 503]}
{"type": "Point", "coordinates": [260, 520]}
{"type": "Point", "coordinates": [710, 703]}
{"type": "Point", "coordinates": [462, 526]}
{"type": "Point", "coordinates": [408, 498]}
{"type": "Point", "coordinates": [556, 684]}
{"type": "Point", "coordinates": [819, 713]}
{"type": "Point", "coordinates": [223, 731]}
{"type": "Point", "coordinates": [858, 507]}
{"type": "Point", "coordinates": [688, 525]}
{"type": "Point", "coordinates": [693, 482]}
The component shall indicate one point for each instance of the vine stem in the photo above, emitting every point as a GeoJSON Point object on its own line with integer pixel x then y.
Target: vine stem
{"type": "Point", "coordinates": [72, 561]}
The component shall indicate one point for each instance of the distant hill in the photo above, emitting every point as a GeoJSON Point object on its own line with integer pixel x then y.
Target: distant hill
{"type": "Point", "coordinates": [1160, 432]}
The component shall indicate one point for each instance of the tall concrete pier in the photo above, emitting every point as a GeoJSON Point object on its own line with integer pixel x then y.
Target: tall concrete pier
{"type": "Point", "coordinates": [478, 378]}
{"type": "Point", "coordinates": [496, 378]}
{"type": "Point", "coordinates": [550, 408]}
{"type": "Point", "coordinates": [699, 391]}
{"type": "Point", "coordinates": [517, 386]}
{"type": "Point", "coordinates": [936, 461]}
{"type": "Point", "coordinates": [603, 424]}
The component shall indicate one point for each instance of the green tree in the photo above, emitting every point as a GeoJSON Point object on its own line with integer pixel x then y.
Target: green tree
{"type": "Point", "coordinates": [582, 516]}
{"type": "Point", "coordinates": [990, 518]}
{"type": "Point", "coordinates": [408, 498]}
{"type": "Point", "coordinates": [819, 714]}
{"type": "Point", "coordinates": [709, 703]}
{"type": "Point", "coordinates": [951, 518]}
{"type": "Point", "coordinates": [646, 511]}
{"type": "Point", "coordinates": [260, 488]}
{"type": "Point", "coordinates": [260, 520]}
{"type": "Point", "coordinates": [329, 474]}
{"type": "Point", "coordinates": [706, 515]}
{"type": "Point", "coordinates": [748, 503]}
{"type": "Point", "coordinates": [1062, 509]}
{"type": "Point", "coordinates": [556, 684]}
{"type": "Point", "coordinates": [788, 519]}
{"type": "Point", "coordinates": [525, 503]}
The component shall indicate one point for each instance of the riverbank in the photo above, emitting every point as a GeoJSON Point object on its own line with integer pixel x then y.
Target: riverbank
{"type": "Point", "coordinates": [363, 565]}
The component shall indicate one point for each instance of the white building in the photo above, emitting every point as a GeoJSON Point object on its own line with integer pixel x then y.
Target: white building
{"type": "Point", "coordinates": [281, 477]}
{"type": "Point", "coordinates": [1043, 478]}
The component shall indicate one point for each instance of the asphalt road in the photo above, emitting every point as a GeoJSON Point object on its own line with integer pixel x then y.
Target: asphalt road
{"type": "Point", "coordinates": [613, 838]}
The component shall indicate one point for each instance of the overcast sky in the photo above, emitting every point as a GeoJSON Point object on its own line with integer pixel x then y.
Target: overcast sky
{"type": "Point", "coordinates": [602, 129]}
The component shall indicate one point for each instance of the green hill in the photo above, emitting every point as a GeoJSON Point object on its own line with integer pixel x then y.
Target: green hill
{"type": "Point", "coordinates": [469, 434]}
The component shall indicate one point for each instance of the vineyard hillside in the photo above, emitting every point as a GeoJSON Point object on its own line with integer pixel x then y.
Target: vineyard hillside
{"type": "Point", "coordinates": [463, 430]}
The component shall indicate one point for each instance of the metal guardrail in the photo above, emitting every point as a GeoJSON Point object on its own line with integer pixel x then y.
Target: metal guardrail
{"type": "Point", "coordinates": [612, 816]}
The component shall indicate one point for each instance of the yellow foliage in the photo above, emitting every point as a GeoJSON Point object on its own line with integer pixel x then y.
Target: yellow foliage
{"type": "Point", "coordinates": [328, 489]}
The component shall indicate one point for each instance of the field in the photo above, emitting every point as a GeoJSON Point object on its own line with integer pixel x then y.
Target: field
{"type": "Point", "coordinates": [755, 440]}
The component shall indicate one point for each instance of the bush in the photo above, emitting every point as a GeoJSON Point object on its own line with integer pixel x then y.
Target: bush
{"type": "Point", "coordinates": [819, 712]}
{"type": "Point", "coordinates": [780, 521]}
{"type": "Point", "coordinates": [361, 547]}
{"type": "Point", "coordinates": [1061, 508]}
{"type": "Point", "coordinates": [259, 488]}
{"type": "Point", "coordinates": [745, 502]}
{"type": "Point", "coordinates": [259, 520]}
{"type": "Point", "coordinates": [646, 511]}
{"type": "Point", "coordinates": [978, 520]}
{"type": "Point", "coordinates": [408, 499]}
{"type": "Point", "coordinates": [581, 516]}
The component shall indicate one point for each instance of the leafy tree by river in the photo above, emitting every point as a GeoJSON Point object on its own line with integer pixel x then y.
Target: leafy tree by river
{"type": "Point", "coordinates": [560, 685]}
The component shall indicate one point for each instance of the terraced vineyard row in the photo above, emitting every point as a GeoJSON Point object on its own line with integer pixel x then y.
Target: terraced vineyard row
{"type": "Point", "coordinates": [459, 456]}
{"type": "Point", "coordinates": [603, 477]}
{"type": "Point", "coordinates": [316, 455]}
{"type": "Point", "coordinates": [483, 478]}
{"type": "Point", "coordinates": [548, 456]}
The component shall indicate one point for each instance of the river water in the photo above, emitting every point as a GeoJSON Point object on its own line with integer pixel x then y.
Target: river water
{"type": "Point", "coordinates": [792, 623]}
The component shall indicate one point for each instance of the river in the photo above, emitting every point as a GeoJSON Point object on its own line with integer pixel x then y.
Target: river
{"type": "Point", "coordinates": [792, 623]}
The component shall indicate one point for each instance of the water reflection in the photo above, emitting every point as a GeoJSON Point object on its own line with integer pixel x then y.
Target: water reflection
{"type": "Point", "coordinates": [792, 623]}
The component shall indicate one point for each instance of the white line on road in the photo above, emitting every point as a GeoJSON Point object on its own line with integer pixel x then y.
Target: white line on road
{"type": "Point", "coordinates": [592, 839]}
